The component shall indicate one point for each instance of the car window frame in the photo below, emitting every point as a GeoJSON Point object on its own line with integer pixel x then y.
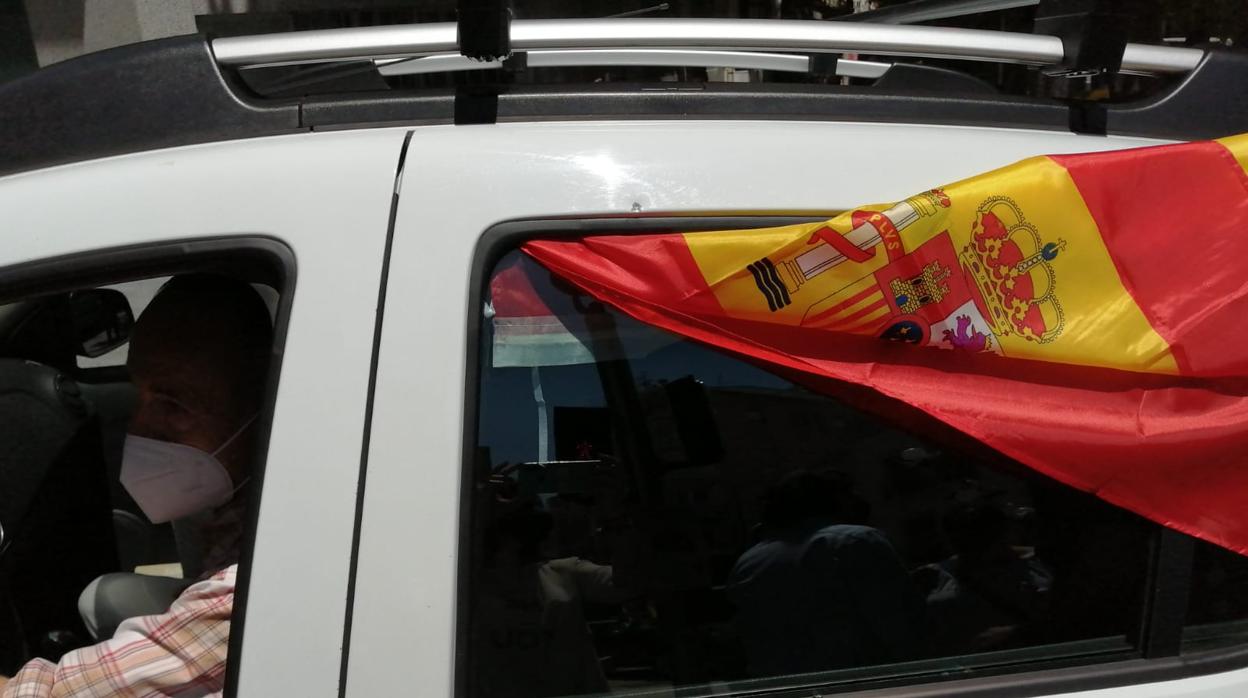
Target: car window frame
{"type": "Point", "coordinates": [1157, 655]}
{"type": "Point", "coordinates": [100, 267]}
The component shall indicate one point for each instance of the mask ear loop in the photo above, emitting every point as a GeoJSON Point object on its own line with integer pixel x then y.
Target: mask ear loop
{"type": "Point", "coordinates": [240, 486]}
{"type": "Point", "coordinates": [236, 434]}
{"type": "Point", "coordinates": [231, 440]}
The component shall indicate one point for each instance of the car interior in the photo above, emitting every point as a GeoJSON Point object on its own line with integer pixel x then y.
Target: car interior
{"type": "Point", "coordinates": [653, 464]}
{"type": "Point", "coordinates": [77, 555]}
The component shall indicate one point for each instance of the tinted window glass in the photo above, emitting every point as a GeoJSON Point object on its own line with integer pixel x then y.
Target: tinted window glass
{"type": "Point", "coordinates": [1217, 612]}
{"type": "Point", "coordinates": [104, 517]}
{"type": "Point", "coordinates": [138, 294]}
{"type": "Point", "coordinates": [649, 513]}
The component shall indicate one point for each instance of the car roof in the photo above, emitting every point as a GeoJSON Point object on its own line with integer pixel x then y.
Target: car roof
{"type": "Point", "coordinates": [191, 89]}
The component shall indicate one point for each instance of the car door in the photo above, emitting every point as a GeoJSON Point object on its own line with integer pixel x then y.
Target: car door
{"type": "Point", "coordinates": [469, 196]}
{"type": "Point", "coordinates": [318, 203]}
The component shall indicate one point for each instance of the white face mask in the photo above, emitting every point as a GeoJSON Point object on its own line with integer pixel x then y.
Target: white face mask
{"type": "Point", "coordinates": [169, 481]}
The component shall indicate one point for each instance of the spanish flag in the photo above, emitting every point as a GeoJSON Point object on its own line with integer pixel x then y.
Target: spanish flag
{"type": "Point", "coordinates": [1092, 311]}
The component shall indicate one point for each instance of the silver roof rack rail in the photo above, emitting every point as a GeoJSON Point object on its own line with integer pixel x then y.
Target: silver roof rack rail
{"type": "Point", "coordinates": [675, 58]}
{"type": "Point", "coordinates": [412, 41]}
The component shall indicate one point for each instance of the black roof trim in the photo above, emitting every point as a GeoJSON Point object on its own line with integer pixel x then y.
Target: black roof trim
{"type": "Point", "coordinates": [157, 94]}
{"type": "Point", "coordinates": [1210, 102]}
{"type": "Point", "coordinates": [697, 101]}
{"type": "Point", "coordinates": [170, 92]}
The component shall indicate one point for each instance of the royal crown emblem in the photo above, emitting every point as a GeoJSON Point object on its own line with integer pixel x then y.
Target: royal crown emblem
{"type": "Point", "coordinates": [1012, 270]}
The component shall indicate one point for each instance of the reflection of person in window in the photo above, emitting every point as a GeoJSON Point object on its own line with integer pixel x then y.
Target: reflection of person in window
{"type": "Point", "coordinates": [530, 637]}
{"type": "Point", "coordinates": [198, 359]}
{"type": "Point", "coordinates": [990, 591]}
{"type": "Point", "coordinates": [815, 594]}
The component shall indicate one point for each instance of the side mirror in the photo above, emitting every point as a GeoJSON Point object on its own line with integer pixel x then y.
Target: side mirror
{"type": "Point", "coordinates": [102, 320]}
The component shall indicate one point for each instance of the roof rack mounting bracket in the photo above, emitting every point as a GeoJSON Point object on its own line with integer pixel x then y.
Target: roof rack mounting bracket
{"type": "Point", "coordinates": [824, 63]}
{"type": "Point", "coordinates": [1093, 34]}
{"type": "Point", "coordinates": [517, 62]}
{"type": "Point", "coordinates": [484, 29]}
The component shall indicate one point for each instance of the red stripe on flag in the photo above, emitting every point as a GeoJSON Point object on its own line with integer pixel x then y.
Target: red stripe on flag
{"type": "Point", "coordinates": [1173, 220]}
{"type": "Point", "coordinates": [513, 294]}
{"type": "Point", "coordinates": [875, 327]}
{"type": "Point", "coordinates": [855, 318]}
{"type": "Point", "coordinates": [852, 300]}
{"type": "Point", "coordinates": [1166, 447]}
{"type": "Point", "coordinates": [660, 267]}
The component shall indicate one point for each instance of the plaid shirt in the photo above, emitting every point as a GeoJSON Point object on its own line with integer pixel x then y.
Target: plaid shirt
{"type": "Point", "coordinates": [178, 653]}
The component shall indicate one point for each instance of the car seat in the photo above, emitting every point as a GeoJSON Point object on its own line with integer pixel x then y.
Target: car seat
{"type": "Point", "coordinates": [54, 509]}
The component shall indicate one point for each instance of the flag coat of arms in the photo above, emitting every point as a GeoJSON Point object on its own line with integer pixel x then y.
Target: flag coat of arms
{"type": "Point", "coordinates": [1082, 314]}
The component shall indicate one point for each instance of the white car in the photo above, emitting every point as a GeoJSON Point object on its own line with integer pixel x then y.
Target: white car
{"type": "Point", "coordinates": [411, 405]}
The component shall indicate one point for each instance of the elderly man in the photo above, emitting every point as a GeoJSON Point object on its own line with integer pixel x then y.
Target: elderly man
{"type": "Point", "coordinates": [198, 358]}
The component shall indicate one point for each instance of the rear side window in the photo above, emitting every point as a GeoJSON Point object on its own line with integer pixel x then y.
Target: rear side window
{"type": "Point", "coordinates": [1217, 614]}
{"type": "Point", "coordinates": [648, 514]}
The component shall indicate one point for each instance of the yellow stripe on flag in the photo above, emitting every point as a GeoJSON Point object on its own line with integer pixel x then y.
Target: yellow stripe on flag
{"type": "Point", "coordinates": [1238, 145]}
{"type": "Point", "coordinates": [1101, 325]}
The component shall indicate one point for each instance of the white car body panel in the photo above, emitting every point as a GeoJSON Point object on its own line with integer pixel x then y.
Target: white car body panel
{"type": "Point", "coordinates": [458, 182]}
{"type": "Point", "coordinates": [328, 196]}
{"type": "Point", "coordinates": [1231, 684]}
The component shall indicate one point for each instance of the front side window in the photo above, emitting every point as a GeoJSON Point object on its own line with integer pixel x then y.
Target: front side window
{"type": "Point", "coordinates": [650, 514]}
{"type": "Point", "coordinates": [137, 294]}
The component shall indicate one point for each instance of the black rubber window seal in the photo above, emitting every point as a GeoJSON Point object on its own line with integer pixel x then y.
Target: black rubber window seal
{"type": "Point", "coordinates": [1170, 567]}
{"type": "Point", "coordinates": [262, 259]}
{"type": "Point", "coordinates": [378, 326]}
